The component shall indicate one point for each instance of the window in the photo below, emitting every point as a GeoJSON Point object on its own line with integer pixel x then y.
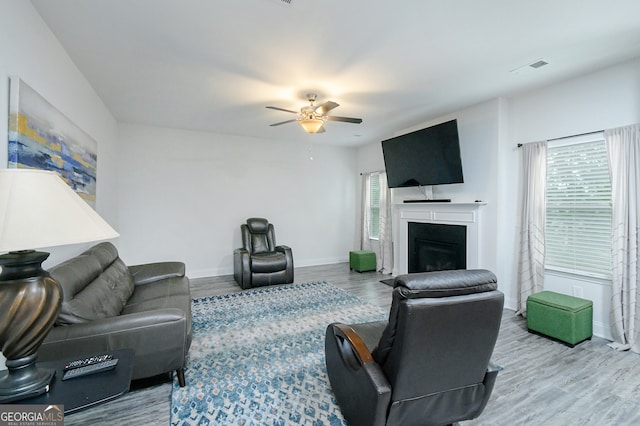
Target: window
{"type": "Point", "coordinates": [578, 226]}
{"type": "Point", "coordinates": [374, 206]}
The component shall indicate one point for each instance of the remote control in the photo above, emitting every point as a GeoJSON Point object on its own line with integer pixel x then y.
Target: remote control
{"type": "Point", "coordinates": [90, 369]}
{"type": "Point", "coordinates": [87, 361]}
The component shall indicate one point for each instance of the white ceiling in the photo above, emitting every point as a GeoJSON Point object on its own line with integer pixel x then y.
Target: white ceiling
{"type": "Point", "coordinates": [214, 65]}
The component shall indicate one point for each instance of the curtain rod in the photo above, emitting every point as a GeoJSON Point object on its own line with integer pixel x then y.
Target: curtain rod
{"type": "Point", "coordinates": [567, 137]}
{"type": "Point", "coordinates": [373, 171]}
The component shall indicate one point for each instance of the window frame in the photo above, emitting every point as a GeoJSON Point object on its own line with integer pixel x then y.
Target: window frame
{"type": "Point", "coordinates": [603, 273]}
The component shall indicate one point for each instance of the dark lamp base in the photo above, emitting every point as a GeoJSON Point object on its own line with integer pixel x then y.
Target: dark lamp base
{"type": "Point", "coordinates": [29, 304]}
{"type": "Point", "coordinates": [23, 380]}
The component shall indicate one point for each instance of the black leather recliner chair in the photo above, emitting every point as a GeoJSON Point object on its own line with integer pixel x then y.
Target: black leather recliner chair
{"type": "Point", "coordinates": [260, 262]}
{"type": "Point", "coordinates": [430, 363]}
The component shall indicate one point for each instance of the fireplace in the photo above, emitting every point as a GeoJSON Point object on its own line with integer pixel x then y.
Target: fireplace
{"type": "Point", "coordinates": [462, 217]}
{"type": "Point", "coordinates": [436, 247]}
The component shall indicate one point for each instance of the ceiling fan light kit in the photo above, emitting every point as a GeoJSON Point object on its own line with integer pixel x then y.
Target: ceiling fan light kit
{"type": "Point", "coordinates": [312, 117]}
{"type": "Point", "coordinates": [311, 125]}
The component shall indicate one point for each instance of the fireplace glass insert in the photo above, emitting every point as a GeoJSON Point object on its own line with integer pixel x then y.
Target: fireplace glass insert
{"type": "Point", "coordinates": [437, 247]}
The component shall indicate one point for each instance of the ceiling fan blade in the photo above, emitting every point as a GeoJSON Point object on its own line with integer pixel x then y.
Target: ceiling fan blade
{"type": "Point", "coordinates": [345, 119]}
{"type": "Point", "coordinates": [282, 122]}
{"type": "Point", "coordinates": [282, 109]}
{"type": "Point", "coordinates": [326, 107]}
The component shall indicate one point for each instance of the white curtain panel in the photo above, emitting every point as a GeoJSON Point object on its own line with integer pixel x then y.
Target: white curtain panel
{"type": "Point", "coordinates": [385, 259]}
{"type": "Point", "coordinates": [623, 148]}
{"type": "Point", "coordinates": [365, 240]}
{"type": "Point", "coordinates": [533, 206]}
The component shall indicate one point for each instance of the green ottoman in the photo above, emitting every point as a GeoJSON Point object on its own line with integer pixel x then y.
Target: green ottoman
{"type": "Point", "coordinates": [362, 260]}
{"type": "Point", "coordinates": [566, 318]}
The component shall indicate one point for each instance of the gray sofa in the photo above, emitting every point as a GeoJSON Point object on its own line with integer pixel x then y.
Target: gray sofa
{"type": "Point", "coordinates": [108, 305]}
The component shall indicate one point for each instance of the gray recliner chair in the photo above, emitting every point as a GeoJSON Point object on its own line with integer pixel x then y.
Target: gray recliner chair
{"type": "Point", "coordinates": [430, 363]}
{"type": "Point", "coordinates": [260, 261]}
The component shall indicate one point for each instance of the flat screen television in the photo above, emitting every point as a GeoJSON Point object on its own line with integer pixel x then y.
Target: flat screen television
{"type": "Point", "coordinates": [429, 156]}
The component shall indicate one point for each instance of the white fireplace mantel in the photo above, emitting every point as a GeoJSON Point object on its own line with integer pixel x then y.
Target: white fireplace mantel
{"type": "Point", "coordinates": [465, 214]}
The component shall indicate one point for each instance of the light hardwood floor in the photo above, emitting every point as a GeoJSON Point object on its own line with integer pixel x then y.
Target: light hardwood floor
{"type": "Point", "coordinates": [543, 382]}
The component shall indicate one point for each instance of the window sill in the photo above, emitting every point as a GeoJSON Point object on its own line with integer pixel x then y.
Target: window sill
{"type": "Point", "coordinates": [582, 276]}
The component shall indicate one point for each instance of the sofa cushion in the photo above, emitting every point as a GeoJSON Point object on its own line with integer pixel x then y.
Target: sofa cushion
{"type": "Point", "coordinates": [152, 272]}
{"type": "Point", "coordinates": [105, 253]}
{"type": "Point", "coordinates": [74, 274]}
{"type": "Point", "coordinates": [166, 293]}
{"type": "Point", "coordinates": [258, 225]}
{"type": "Point", "coordinates": [95, 285]}
{"type": "Point", "coordinates": [268, 262]}
{"type": "Point", "coordinates": [445, 283]}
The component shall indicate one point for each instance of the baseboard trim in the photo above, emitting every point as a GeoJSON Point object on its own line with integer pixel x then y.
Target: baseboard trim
{"type": "Point", "coordinates": [228, 270]}
{"type": "Point", "coordinates": [204, 273]}
{"type": "Point", "coordinates": [602, 330]}
{"type": "Point", "coordinates": [317, 262]}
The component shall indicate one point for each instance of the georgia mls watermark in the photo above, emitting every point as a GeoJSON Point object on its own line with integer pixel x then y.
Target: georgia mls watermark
{"type": "Point", "coordinates": [32, 415]}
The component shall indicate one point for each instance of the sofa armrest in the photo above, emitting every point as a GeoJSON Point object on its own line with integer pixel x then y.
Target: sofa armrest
{"type": "Point", "coordinates": [285, 249]}
{"type": "Point", "coordinates": [288, 253]}
{"type": "Point", "coordinates": [354, 353]}
{"type": "Point", "coordinates": [149, 272]}
{"type": "Point", "coordinates": [242, 268]}
{"type": "Point", "coordinates": [357, 381]}
{"type": "Point", "coordinates": [103, 328]}
{"type": "Point", "coordinates": [160, 338]}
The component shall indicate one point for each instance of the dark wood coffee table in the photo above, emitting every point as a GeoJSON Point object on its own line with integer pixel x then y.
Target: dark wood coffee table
{"type": "Point", "coordinates": [84, 392]}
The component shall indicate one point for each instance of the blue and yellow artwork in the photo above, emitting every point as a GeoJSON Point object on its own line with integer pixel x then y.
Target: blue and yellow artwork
{"type": "Point", "coordinates": [41, 137]}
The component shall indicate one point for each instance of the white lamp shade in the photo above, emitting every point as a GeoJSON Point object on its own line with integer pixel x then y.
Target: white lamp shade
{"type": "Point", "coordinates": [38, 209]}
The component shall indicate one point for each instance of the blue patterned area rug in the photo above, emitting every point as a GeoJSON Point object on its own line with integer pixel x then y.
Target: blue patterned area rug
{"type": "Point", "coordinates": [257, 357]}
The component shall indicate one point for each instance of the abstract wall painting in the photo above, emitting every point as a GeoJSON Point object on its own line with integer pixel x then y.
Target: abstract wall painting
{"type": "Point", "coordinates": [41, 137]}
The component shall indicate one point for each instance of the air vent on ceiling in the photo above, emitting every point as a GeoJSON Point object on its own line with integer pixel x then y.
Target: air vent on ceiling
{"type": "Point", "coordinates": [539, 64]}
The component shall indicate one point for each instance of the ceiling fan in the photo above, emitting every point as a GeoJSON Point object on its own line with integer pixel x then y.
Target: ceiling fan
{"type": "Point", "coordinates": [312, 117]}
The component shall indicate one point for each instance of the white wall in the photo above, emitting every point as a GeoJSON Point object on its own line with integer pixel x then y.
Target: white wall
{"type": "Point", "coordinates": [602, 100]}
{"type": "Point", "coordinates": [29, 51]}
{"type": "Point", "coordinates": [149, 182]}
{"type": "Point", "coordinates": [489, 133]}
{"type": "Point", "coordinates": [478, 128]}
{"type": "Point", "coordinates": [184, 194]}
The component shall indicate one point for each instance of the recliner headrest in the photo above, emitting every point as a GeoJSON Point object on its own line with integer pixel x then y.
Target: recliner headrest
{"type": "Point", "coordinates": [258, 225]}
{"type": "Point", "coordinates": [446, 283]}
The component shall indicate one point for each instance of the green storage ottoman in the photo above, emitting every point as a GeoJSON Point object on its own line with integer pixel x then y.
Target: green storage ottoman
{"type": "Point", "coordinates": [362, 260]}
{"type": "Point", "coordinates": [562, 317]}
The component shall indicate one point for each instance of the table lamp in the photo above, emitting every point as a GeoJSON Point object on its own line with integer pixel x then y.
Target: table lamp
{"type": "Point", "coordinates": [37, 209]}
